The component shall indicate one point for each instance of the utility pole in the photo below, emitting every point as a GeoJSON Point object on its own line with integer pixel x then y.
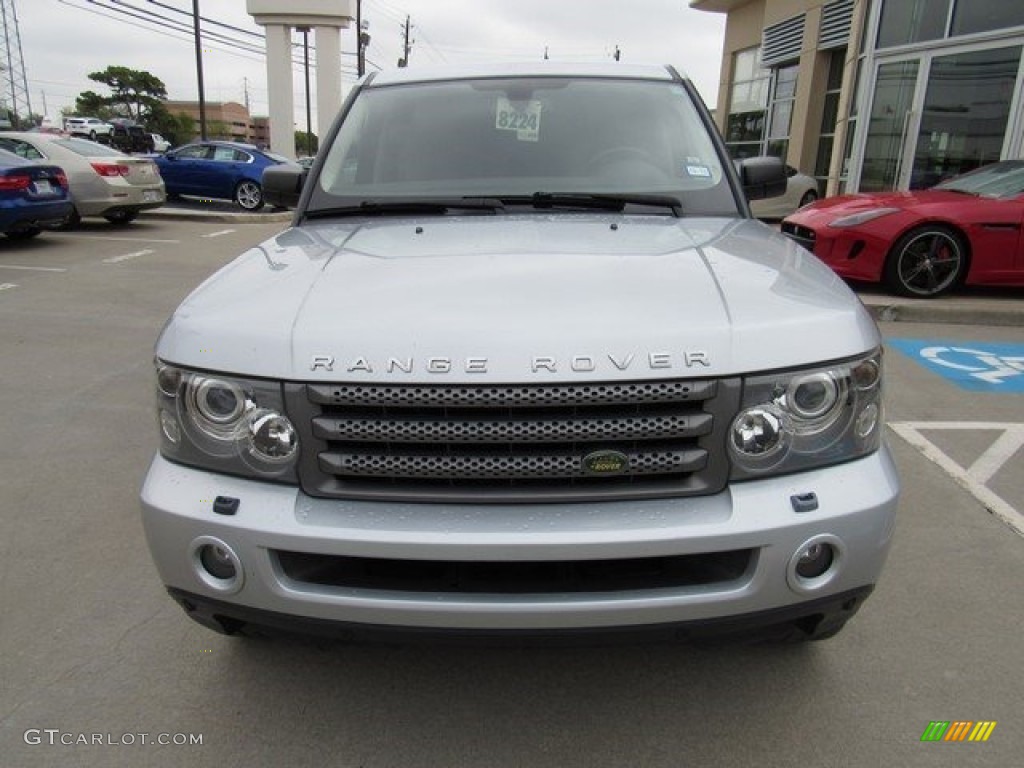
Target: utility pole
{"type": "Point", "coordinates": [362, 40]}
{"type": "Point", "coordinates": [309, 107]}
{"type": "Point", "coordinates": [199, 70]}
{"type": "Point", "coordinates": [407, 47]}
{"type": "Point", "coordinates": [245, 81]}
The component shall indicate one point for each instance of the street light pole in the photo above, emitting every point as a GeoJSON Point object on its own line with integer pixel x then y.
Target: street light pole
{"type": "Point", "coordinates": [199, 70]}
{"type": "Point", "coordinates": [309, 109]}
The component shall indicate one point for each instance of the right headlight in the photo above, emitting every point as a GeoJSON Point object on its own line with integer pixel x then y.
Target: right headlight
{"type": "Point", "coordinates": [796, 420]}
{"type": "Point", "coordinates": [225, 424]}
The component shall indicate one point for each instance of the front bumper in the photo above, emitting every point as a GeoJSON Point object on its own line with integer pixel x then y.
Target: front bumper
{"type": "Point", "coordinates": [855, 512]}
{"type": "Point", "coordinates": [853, 254]}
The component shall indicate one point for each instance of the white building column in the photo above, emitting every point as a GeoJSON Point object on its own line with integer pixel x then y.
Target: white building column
{"type": "Point", "coordinates": [328, 78]}
{"type": "Point", "coordinates": [279, 83]}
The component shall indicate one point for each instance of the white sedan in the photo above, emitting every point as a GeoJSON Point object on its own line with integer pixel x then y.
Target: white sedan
{"type": "Point", "coordinates": [103, 181]}
{"type": "Point", "coordinates": [801, 190]}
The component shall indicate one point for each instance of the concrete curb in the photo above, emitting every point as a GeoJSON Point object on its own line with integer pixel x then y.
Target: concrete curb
{"type": "Point", "coordinates": [950, 310]}
{"type": "Point", "coordinates": [227, 217]}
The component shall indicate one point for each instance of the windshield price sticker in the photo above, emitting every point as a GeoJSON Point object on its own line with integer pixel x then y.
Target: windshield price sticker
{"type": "Point", "coordinates": [522, 117]}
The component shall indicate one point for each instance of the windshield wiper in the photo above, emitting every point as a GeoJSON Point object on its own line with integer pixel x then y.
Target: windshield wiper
{"type": "Point", "coordinates": [412, 206]}
{"type": "Point", "coordinates": [600, 201]}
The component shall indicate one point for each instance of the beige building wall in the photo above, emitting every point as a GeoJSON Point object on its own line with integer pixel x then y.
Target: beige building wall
{"type": "Point", "coordinates": [241, 126]}
{"type": "Point", "coordinates": [745, 24]}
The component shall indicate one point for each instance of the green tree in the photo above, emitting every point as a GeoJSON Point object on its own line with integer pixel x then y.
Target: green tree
{"type": "Point", "coordinates": [133, 94]}
{"type": "Point", "coordinates": [177, 129]}
{"type": "Point", "coordinates": [306, 143]}
{"type": "Point", "coordinates": [217, 129]}
{"type": "Point", "coordinates": [91, 104]}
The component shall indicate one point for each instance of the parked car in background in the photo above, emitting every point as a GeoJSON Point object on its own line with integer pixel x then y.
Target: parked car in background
{"type": "Point", "coordinates": [33, 195]}
{"type": "Point", "coordinates": [103, 181]}
{"type": "Point", "coordinates": [925, 242]}
{"type": "Point", "coordinates": [92, 127]}
{"type": "Point", "coordinates": [160, 144]}
{"type": "Point", "coordinates": [129, 136]}
{"type": "Point", "coordinates": [801, 190]}
{"type": "Point", "coordinates": [224, 170]}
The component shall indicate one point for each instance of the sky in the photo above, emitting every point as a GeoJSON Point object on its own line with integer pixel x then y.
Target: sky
{"type": "Point", "coordinates": [64, 40]}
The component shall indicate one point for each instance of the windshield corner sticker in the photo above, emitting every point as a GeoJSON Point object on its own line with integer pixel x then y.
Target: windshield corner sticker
{"type": "Point", "coordinates": [699, 170]}
{"type": "Point", "coordinates": [975, 366]}
{"type": "Point", "coordinates": [523, 117]}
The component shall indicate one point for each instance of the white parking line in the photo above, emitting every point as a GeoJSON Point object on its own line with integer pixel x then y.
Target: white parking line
{"type": "Point", "coordinates": [127, 256]}
{"type": "Point", "coordinates": [221, 233]}
{"type": "Point", "coordinates": [117, 239]}
{"type": "Point", "coordinates": [972, 479]}
{"type": "Point", "coordinates": [7, 286]}
{"type": "Point", "coordinates": [33, 269]}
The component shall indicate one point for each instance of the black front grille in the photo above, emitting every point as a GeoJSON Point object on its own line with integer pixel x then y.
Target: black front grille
{"type": "Point", "coordinates": [802, 235]}
{"type": "Point", "coordinates": [504, 577]}
{"type": "Point", "coordinates": [513, 443]}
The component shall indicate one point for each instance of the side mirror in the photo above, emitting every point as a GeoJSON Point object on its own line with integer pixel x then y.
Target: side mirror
{"type": "Point", "coordinates": [282, 185]}
{"type": "Point", "coordinates": [762, 177]}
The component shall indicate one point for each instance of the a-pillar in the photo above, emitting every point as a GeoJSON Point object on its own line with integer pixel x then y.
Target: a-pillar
{"type": "Point", "coordinates": [279, 83]}
{"type": "Point", "coordinates": [328, 78]}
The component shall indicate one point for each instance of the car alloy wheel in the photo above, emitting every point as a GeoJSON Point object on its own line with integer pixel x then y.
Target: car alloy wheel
{"type": "Point", "coordinates": [926, 262]}
{"type": "Point", "coordinates": [249, 196]}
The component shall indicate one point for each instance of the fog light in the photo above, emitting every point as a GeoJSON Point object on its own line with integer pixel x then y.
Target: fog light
{"type": "Point", "coordinates": [815, 560]}
{"type": "Point", "coordinates": [815, 564]}
{"type": "Point", "coordinates": [217, 562]}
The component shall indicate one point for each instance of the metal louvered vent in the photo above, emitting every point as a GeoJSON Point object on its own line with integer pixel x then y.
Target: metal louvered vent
{"type": "Point", "coordinates": [781, 42]}
{"type": "Point", "coordinates": [836, 19]}
{"type": "Point", "coordinates": [513, 443]}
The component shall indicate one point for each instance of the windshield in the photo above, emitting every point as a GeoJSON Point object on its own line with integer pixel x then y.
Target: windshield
{"type": "Point", "coordinates": [506, 138]}
{"type": "Point", "coordinates": [1004, 179]}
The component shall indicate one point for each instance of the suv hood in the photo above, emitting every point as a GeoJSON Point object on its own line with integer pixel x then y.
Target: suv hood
{"type": "Point", "coordinates": [563, 297]}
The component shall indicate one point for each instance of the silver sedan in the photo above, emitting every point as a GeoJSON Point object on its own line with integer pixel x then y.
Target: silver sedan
{"type": "Point", "coordinates": [103, 181]}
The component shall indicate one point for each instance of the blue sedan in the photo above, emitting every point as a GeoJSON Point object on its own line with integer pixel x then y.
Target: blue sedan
{"type": "Point", "coordinates": [32, 196]}
{"type": "Point", "coordinates": [220, 170]}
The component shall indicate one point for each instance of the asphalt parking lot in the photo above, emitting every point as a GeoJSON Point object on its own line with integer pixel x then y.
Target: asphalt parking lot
{"type": "Point", "coordinates": [91, 646]}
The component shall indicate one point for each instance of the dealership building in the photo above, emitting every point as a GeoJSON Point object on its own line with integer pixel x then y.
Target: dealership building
{"type": "Point", "coordinates": [871, 95]}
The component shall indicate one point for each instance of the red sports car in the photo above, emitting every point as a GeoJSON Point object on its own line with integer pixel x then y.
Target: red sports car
{"type": "Point", "coordinates": [922, 243]}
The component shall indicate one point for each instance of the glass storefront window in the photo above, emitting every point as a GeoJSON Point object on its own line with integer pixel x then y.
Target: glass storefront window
{"type": "Point", "coordinates": [748, 105]}
{"type": "Point", "coordinates": [971, 16]}
{"type": "Point", "coordinates": [830, 113]}
{"type": "Point", "coordinates": [966, 110]}
{"type": "Point", "coordinates": [913, 21]}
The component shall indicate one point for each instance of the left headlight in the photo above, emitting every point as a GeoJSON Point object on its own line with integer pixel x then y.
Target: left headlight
{"type": "Point", "coordinates": [796, 420]}
{"type": "Point", "coordinates": [225, 424]}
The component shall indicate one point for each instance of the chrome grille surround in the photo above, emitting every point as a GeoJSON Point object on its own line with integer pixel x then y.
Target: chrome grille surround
{"type": "Point", "coordinates": [512, 444]}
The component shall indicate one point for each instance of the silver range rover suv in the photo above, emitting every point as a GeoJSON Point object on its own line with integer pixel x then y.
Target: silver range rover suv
{"type": "Point", "coordinates": [522, 365]}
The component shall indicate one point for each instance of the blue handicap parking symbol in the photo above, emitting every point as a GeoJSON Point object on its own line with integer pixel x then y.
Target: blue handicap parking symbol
{"type": "Point", "coordinates": [977, 366]}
